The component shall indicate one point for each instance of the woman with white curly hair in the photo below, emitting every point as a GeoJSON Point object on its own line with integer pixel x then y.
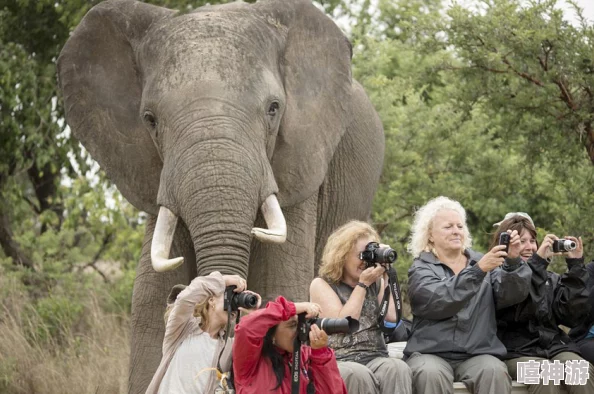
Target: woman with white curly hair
{"type": "Point", "coordinates": [454, 293]}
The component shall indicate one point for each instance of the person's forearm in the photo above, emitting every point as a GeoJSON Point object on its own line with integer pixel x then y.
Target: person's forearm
{"type": "Point", "coordinates": [354, 304]}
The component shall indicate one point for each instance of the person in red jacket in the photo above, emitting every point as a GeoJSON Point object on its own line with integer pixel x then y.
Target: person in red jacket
{"type": "Point", "coordinates": [263, 347]}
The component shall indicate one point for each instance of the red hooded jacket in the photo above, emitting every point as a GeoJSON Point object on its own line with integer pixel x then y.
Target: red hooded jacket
{"type": "Point", "coordinates": [253, 372]}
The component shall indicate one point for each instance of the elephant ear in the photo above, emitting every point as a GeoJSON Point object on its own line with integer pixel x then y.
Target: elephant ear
{"type": "Point", "coordinates": [102, 90]}
{"type": "Point", "coordinates": [316, 68]}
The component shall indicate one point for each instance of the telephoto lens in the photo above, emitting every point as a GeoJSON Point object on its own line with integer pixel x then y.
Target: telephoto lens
{"type": "Point", "coordinates": [348, 325]}
{"type": "Point", "coordinates": [563, 245]}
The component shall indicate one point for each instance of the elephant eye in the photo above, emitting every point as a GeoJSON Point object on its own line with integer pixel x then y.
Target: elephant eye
{"type": "Point", "coordinates": [149, 119]}
{"type": "Point", "coordinates": [273, 108]}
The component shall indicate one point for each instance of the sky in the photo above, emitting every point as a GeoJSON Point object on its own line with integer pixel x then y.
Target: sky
{"type": "Point", "coordinates": [586, 5]}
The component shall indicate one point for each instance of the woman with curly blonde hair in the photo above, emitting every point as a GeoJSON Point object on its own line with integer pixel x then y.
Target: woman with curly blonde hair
{"type": "Point", "coordinates": [347, 288]}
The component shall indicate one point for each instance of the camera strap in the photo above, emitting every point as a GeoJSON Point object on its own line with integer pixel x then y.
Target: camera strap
{"type": "Point", "coordinates": [301, 337]}
{"type": "Point", "coordinates": [394, 288]}
{"type": "Point", "coordinates": [226, 339]}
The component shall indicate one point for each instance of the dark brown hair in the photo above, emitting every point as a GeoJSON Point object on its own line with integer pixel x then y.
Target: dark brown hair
{"type": "Point", "coordinates": [518, 223]}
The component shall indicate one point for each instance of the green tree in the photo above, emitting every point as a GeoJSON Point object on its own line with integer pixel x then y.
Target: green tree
{"type": "Point", "coordinates": [444, 138]}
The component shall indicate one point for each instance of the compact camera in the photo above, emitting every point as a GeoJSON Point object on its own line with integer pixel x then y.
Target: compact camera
{"type": "Point", "coordinates": [504, 239]}
{"type": "Point", "coordinates": [374, 254]}
{"type": "Point", "coordinates": [563, 245]}
{"type": "Point", "coordinates": [233, 301]}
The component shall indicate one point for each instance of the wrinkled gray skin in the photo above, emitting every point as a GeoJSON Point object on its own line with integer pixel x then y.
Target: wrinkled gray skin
{"type": "Point", "coordinates": [178, 110]}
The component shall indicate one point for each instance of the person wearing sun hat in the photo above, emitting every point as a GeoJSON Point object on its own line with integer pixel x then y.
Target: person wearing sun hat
{"type": "Point", "coordinates": [530, 329]}
{"type": "Point", "coordinates": [510, 215]}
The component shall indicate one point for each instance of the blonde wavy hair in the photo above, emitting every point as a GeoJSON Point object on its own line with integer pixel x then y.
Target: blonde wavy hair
{"type": "Point", "coordinates": [200, 310]}
{"type": "Point", "coordinates": [339, 245]}
{"type": "Point", "coordinates": [423, 221]}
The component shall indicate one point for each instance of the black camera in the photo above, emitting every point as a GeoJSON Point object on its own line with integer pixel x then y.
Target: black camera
{"type": "Point", "coordinates": [563, 245]}
{"type": "Point", "coordinates": [234, 301]}
{"type": "Point", "coordinates": [348, 325]}
{"type": "Point", "coordinates": [504, 239]}
{"type": "Point", "coordinates": [373, 255]}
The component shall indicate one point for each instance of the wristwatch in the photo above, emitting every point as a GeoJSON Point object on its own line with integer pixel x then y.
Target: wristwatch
{"type": "Point", "coordinates": [363, 285]}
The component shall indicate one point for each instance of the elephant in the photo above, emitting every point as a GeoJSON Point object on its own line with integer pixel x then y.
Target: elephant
{"type": "Point", "coordinates": [238, 128]}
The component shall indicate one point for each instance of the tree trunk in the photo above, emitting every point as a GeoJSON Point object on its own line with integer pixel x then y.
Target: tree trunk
{"type": "Point", "coordinates": [10, 246]}
{"type": "Point", "coordinates": [45, 185]}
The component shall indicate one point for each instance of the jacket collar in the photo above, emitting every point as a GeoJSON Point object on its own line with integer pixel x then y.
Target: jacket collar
{"type": "Point", "coordinates": [472, 256]}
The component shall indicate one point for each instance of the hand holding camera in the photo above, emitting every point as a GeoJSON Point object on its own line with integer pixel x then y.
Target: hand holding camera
{"type": "Point", "coordinates": [318, 339]}
{"type": "Point", "coordinates": [555, 246]}
{"type": "Point", "coordinates": [578, 251]}
{"type": "Point", "coordinates": [511, 241]}
{"type": "Point", "coordinates": [311, 309]}
{"type": "Point", "coordinates": [493, 259]}
{"type": "Point", "coordinates": [375, 254]}
{"type": "Point", "coordinates": [242, 300]}
{"type": "Point", "coordinates": [377, 258]}
{"type": "Point", "coordinates": [237, 281]}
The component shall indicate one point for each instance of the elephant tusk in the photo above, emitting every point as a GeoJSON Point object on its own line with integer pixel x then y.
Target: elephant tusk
{"type": "Point", "coordinates": [162, 240]}
{"type": "Point", "coordinates": [275, 220]}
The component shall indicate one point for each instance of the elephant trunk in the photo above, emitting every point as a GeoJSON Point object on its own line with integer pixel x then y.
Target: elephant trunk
{"type": "Point", "coordinates": [167, 221]}
{"type": "Point", "coordinates": [217, 189]}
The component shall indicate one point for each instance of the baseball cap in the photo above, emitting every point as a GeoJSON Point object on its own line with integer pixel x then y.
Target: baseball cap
{"type": "Point", "coordinates": [510, 215]}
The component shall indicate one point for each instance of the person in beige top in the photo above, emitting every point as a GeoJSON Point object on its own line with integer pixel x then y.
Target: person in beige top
{"type": "Point", "coordinates": [194, 336]}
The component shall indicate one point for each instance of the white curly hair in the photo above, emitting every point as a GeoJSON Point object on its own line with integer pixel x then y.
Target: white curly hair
{"type": "Point", "coordinates": [421, 228]}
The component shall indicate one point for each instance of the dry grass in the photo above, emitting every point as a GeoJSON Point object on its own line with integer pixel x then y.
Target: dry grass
{"type": "Point", "coordinates": [88, 356]}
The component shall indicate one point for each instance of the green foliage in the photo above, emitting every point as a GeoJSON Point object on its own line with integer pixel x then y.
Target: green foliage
{"type": "Point", "coordinates": [454, 128]}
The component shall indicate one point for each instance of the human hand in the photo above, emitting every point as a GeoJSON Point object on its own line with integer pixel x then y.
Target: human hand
{"type": "Point", "coordinates": [310, 309]}
{"type": "Point", "coordinates": [235, 280]}
{"type": "Point", "coordinates": [317, 338]}
{"type": "Point", "coordinates": [370, 275]}
{"type": "Point", "coordinates": [546, 247]}
{"type": "Point", "coordinates": [515, 246]}
{"type": "Point", "coordinates": [493, 259]}
{"type": "Point", "coordinates": [578, 252]}
{"type": "Point", "coordinates": [247, 311]}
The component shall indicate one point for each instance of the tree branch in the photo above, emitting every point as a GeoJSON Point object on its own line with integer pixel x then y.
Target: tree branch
{"type": "Point", "coordinates": [522, 74]}
{"type": "Point", "coordinates": [108, 236]}
{"type": "Point", "coordinates": [566, 95]}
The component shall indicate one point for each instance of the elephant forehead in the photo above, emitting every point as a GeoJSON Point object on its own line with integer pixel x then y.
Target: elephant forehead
{"type": "Point", "coordinates": [229, 47]}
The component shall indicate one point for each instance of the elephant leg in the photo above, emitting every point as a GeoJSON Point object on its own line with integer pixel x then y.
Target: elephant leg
{"type": "Point", "coordinates": [353, 176]}
{"type": "Point", "coordinates": [287, 269]}
{"type": "Point", "coordinates": [148, 306]}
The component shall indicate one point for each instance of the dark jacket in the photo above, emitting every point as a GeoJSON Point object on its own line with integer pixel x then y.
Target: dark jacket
{"type": "Point", "coordinates": [454, 315]}
{"type": "Point", "coordinates": [531, 327]}
{"type": "Point", "coordinates": [581, 330]}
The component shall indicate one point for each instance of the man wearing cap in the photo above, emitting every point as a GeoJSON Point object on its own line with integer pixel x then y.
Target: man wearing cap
{"type": "Point", "coordinates": [530, 330]}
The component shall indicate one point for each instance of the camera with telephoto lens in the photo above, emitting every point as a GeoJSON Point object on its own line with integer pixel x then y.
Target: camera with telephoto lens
{"type": "Point", "coordinates": [233, 301]}
{"type": "Point", "coordinates": [563, 245]}
{"type": "Point", "coordinates": [504, 239]}
{"type": "Point", "coordinates": [348, 325]}
{"type": "Point", "coordinates": [374, 254]}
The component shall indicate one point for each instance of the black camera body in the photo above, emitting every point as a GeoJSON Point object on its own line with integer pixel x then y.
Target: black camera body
{"type": "Point", "coordinates": [348, 325]}
{"type": "Point", "coordinates": [374, 254]}
{"type": "Point", "coordinates": [563, 245]}
{"type": "Point", "coordinates": [233, 301]}
{"type": "Point", "coordinates": [504, 239]}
